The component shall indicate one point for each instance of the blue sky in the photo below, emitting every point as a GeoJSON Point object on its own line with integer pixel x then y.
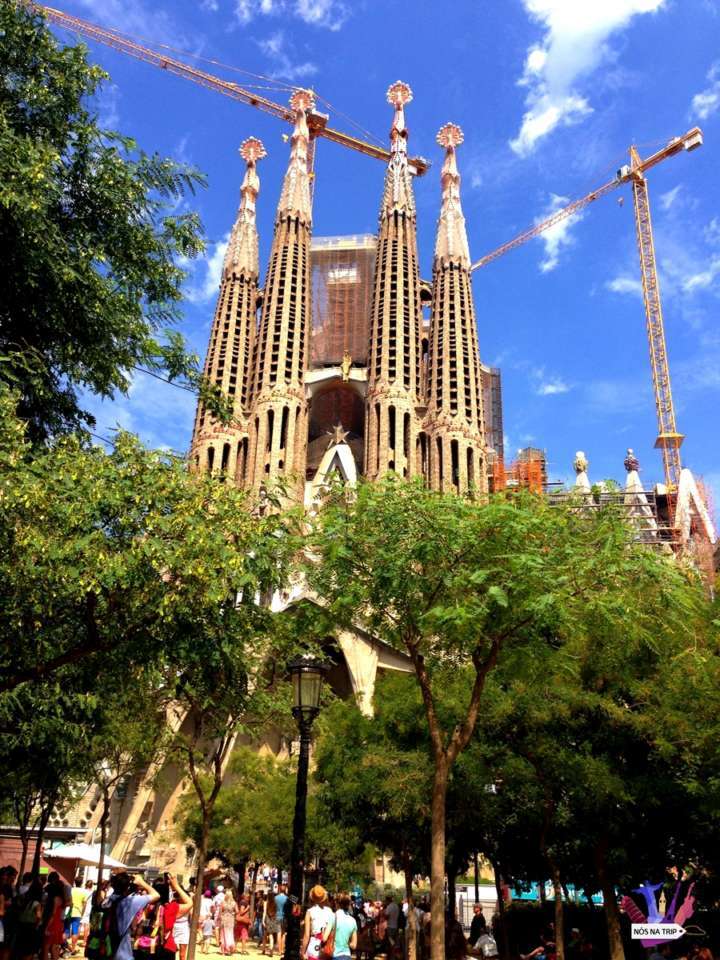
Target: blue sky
{"type": "Point", "coordinates": [550, 94]}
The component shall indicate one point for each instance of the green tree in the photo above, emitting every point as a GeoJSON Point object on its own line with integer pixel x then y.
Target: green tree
{"type": "Point", "coordinates": [121, 557]}
{"type": "Point", "coordinates": [462, 585]}
{"type": "Point", "coordinates": [91, 273]}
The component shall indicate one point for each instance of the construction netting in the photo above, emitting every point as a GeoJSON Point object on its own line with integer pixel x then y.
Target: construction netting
{"type": "Point", "coordinates": [342, 282]}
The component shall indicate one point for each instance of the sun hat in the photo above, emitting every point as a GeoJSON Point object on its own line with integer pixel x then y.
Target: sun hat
{"type": "Point", "coordinates": [318, 894]}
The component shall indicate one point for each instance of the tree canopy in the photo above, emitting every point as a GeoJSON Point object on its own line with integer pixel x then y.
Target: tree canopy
{"type": "Point", "coordinates": [91, 247]}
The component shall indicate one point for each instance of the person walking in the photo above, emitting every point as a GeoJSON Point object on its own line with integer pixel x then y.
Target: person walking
{"type": "Point", "coordinates": [207, 923]}
{"type": "Point", "coordinates": [271, 923]}
{"type": "Point", "coordinates": [281, 904]}
{"type": "Point", "coordinates": [346, 931]}
{"type": "Point", "coordinates": [317, 925]}
{"type": "Point", "coordinates": [392, 919]}
{"type": "Point", "coordinates": [243, 923]}
{"type": "Point", "coordinates": [28, 935]}
{"type": "Point", "coordinates": [87, 909]}
{"type": "Point", "coordinates": [53, 919]}
{"type": "Point", "coordinates": [217, 903]}
{"type": "Point", "coordinates": [228, 916]}
{"type": "Point", "coordinates": [78, 898]}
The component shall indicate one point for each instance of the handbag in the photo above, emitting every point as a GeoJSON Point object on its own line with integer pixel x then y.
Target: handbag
{"type": "Point", "coordinates": [327, 947]}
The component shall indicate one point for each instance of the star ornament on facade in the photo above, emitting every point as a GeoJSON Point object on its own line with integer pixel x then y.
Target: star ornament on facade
{"type": "Point", "coordinates": [337, 435]}
{"type": "Point", "coordinates": [252, 150]}
{"type": "Point", "coordinates": [450, 135]}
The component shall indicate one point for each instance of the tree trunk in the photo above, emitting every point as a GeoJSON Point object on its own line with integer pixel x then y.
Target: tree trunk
{"type": "Point", "coordinates": [199, 883]}
{"type": "Point", "coordinates": [42, 824]}
{"type": "Point", "coordinates": [616, 949]}
{"type": "Point", "coordinates": [452, 894]}
{"type": "Point", "coordinates": [408, 872]}
{"type": "Point", "coordinates": [559, 912]}
{"type": "Point", "coordinates": [412, 932]}
{"type": "Point", "coordinates": [103, 841]}
{"type": "Point", "coordinates": [253, 889]}
{"type": "Point", "coordinates": [241, 870]}
{"type": "Point", "coordinates": [24, 841]}
{"type": "Point", "coordinates": [504, 944]}
{"type": "Point", "coordinates": [476, 866]}
{"type": "Point", "coordinates": [437, 861]}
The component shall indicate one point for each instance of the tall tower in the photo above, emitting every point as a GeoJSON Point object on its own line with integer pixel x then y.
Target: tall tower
{"type": "Point", "coordinates": [279, 421]}
{"type": "Point", "coordinates": [454, 421]}
{"type": "Point", "coordinates": [228, 363]}
{"type": "Point", "coordinates": [394, 361]}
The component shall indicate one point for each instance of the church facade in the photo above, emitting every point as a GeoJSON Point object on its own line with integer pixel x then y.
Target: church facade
{"type": "Point", "coordinates": [333, 364]}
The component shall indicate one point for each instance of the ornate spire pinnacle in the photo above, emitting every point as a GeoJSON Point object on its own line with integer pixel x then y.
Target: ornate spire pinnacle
{"type": "Point", "coordinates": [242, 252]}
{"type": "Point", "coordinates": [398, 193]}
{"type": "Point", "coordinates": [295, 196]}
{"type": "Point", "coordinates": [451, 244]}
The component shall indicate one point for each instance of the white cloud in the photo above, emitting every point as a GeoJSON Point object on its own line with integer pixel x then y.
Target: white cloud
{"type": "Point", "coordinates": [138, 17]}
{"type": "Point", "coordinates": [625, 285]}
{"type": "Point", "coordinates": [712, 232]}
{"type": "Point", "coordinates": [212, 6]}
{"type": "Point", "coordinates": [708, 100]}
{"type": "Point", "coordinates": [203, 282]}
{"type": "Point", "coordinates": [548, 385]}
{"type": "Point", "coordinates": [669, 198]}
{"type": "Point", "coordinates": [574, 44]}
{"type": "Point", "coordinates": [551, 387]}
{"type": "Point", "coordinates": [279, 52]}
{"type": "Point", "coordinates": [557, 236]}
{"type": "Point", "coordinates": [161, 414]}
{"type": "Point", "coordinates": [703, 279]}
{"type": "Point", "coordinates": [330, 14]}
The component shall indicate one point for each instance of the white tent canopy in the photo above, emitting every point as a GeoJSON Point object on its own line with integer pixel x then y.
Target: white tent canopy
{"type": "Point", "coordinates": [86, 855]}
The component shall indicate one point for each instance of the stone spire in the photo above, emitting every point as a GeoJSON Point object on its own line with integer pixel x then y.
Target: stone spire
{"type": "Point", "coordinates": [398, 193]}
{"type": "Point", "coordinates": [451, 244]}
{"type": "Point", "coordinates": [242, 251]}
{"type": "Point", "coordinates": [392, 441]}
{"type": "Point", "coordinates": [228, 363]}
{"type": "Point", "coordinates": [279, 421]}
{"type": "Point", "coordinates": [454, 424]}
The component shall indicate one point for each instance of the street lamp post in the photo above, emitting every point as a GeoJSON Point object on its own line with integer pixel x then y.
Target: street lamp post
{"type": "Point", "coordinates": [307, 676]}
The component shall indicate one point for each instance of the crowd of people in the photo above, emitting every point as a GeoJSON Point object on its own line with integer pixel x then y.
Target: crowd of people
{"type": "Point", "coordinates": [45, 918]}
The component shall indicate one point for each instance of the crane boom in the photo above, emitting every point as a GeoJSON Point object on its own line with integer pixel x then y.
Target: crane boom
{"type": "Point", "coordinates": [317, 122]}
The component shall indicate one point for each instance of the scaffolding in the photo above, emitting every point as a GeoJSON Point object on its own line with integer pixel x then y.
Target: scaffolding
{"type": "Point", "coordinates": [491, 384]}
{"type": "Point", "coordinates": [528, 470]}
{"type": "Point", "coordinates": [343, 269]}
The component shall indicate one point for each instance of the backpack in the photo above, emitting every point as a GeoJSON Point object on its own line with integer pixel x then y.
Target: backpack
{"type": "Point", "coordinates": [488, 946]}
{"type": "Point", "coordinates": [104, 936]}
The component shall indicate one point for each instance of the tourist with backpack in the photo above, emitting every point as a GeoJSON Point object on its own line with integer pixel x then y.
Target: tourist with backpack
{"type": "Point", "coordinates": [124, 905]}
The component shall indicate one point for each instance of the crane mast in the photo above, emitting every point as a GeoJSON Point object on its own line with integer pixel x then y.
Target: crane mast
{"type": "Point", "coordinates": [668, 439]}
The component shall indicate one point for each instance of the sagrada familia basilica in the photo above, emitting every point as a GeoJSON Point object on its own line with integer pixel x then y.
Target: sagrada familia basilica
{"type": "Point", "coordinates": [355, 382]}
{"type": "Point", "coordinates": [342, 372]}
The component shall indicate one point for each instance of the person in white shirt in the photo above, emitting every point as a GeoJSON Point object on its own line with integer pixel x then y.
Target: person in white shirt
{"type": "Point", "coordinates": [318, 923]}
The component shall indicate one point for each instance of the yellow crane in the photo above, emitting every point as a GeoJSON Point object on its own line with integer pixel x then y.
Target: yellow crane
{"type": "Point", "coordinates": [668, 438]}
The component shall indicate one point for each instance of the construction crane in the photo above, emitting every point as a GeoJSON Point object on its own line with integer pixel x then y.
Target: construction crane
{"type": "Point", "coordinates": [668, 439]}
{"type": "Point", "coordinates": [317, 122]}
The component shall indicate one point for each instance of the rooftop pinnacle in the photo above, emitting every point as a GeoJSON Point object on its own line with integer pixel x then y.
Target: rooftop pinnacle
{"type": "Point", "coordinates": [398, 195]}
{"type": "Point", "coordinates": [451, 244]}
{"type": "Point", "coordinates": [242, 252]}
{"type": "Point", "coordinates": [295, 196]}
